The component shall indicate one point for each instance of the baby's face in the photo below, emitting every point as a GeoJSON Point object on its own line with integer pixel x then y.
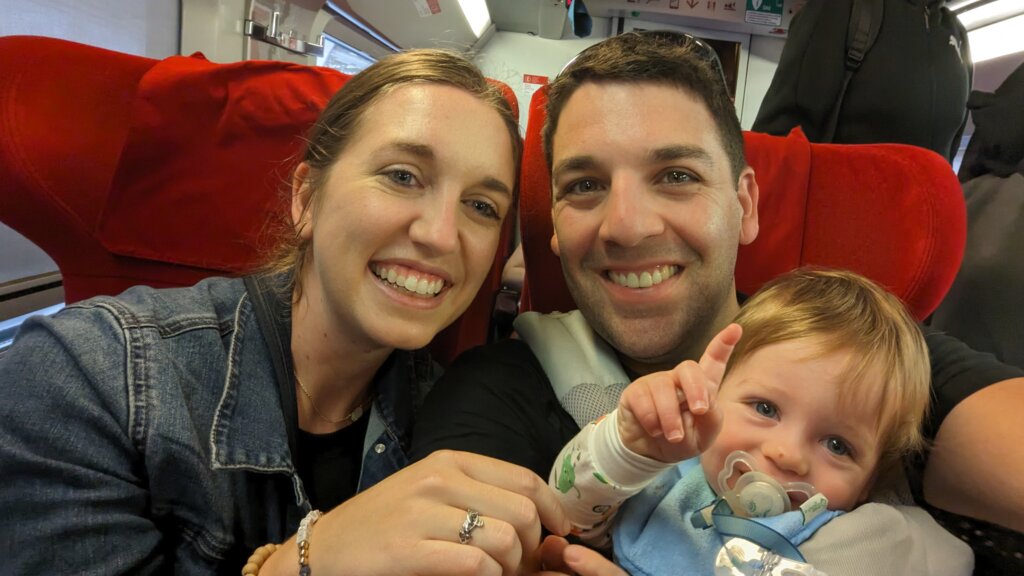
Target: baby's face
{"type": "Point", "coordinates": [782, 405]}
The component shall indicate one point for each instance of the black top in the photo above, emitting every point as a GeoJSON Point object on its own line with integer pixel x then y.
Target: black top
{"type": "Point", "coordinates": [496, 400]}
{"type": "Point", "coordinates": [329, 464]}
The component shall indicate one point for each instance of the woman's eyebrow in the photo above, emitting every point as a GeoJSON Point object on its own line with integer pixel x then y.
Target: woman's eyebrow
{"type": "Point", "coordinates": [492, 183]}
{"type": "Point", "coordinates": [420, 150]}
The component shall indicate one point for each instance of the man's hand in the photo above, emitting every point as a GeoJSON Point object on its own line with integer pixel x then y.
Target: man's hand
{"type": "Point", "coordinates": [560, 558]}
{"type": "Point", "coordinates": [672, 416]}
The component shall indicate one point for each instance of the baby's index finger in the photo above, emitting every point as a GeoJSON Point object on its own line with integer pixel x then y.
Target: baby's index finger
{"type": "Point", "coordinates": [717, 354]}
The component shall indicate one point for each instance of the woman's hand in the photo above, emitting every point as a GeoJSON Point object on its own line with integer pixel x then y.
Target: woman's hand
{"type": "Point", "coordinates": [409, 523]}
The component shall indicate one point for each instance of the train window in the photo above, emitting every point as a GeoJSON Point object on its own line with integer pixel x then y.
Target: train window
{"type": "Point", "coordinates": [29, 279]}
{"type": "Point", "coordinates": [342, 57]}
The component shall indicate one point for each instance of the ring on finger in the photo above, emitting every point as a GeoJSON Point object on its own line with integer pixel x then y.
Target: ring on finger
{"type": "Point", "coordinates": [472, 522]}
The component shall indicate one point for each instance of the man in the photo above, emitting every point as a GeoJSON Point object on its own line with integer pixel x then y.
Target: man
{"type": "Point", "coordinates": [651, 198]}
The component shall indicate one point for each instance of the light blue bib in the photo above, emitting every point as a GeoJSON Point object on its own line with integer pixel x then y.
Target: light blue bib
{"type": "Point", "coordinates": [653, 533]}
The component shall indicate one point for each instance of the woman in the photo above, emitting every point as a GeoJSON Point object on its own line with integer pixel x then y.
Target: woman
{"type": "Point", "coordinates": [181, 429]}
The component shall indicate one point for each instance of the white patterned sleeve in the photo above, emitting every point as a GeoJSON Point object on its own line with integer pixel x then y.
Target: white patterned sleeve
{"type": "Point", "coordinates": [594, 474]}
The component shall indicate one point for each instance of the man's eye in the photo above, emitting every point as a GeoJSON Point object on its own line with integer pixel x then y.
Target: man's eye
{"type": "Point", "coordinates": [678, 177]}
{"type": "Point", "coordinates": [485, 209]}
{"type": "Point", "coordinates": [403, 177]}
{"type": "Point", "coordinates": [766, 409]}
{"type": "Point", "coordinates": [837, 446]}
{"type": "Point", "coordinates": [582, 187]}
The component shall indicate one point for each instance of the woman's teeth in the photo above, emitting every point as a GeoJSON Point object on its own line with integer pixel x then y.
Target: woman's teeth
{"type": "Point", "coordinates": [409, 282]}
{"type": "Point", "coordinates": [644, 279]}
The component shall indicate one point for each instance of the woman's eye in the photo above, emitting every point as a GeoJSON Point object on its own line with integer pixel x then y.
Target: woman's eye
{"type": "Point", "coordinates": [484, 208]}
{"type": "Point", "coordinates": [766, 409]}
{"type": "Point", "coordinates": [402, 177]}
{"type": "Point", "coordinates": [678, 177]}
{"type": "Point", "coordinates": [837, 446]}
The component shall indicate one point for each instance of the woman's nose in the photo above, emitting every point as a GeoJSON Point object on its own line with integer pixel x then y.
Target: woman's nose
{"type": "Point", "coordinates": [437, 226]}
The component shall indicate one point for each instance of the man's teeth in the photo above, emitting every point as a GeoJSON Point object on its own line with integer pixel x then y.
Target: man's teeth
{"type": "Point", "coordinates": [411, 282]}
{"type": "Point", "coordinates": [645, 279]}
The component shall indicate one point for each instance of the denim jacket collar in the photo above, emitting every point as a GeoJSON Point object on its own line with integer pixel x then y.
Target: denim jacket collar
{"type": "Point", "coordinates": [250, 429]}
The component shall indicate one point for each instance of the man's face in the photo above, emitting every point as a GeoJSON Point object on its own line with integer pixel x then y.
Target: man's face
{"type": "Point", "coordinates": [648, 218]}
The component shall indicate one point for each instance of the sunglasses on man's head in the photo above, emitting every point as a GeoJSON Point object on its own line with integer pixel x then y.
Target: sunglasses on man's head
{"type": "Point", "coordinates": [698, 47]}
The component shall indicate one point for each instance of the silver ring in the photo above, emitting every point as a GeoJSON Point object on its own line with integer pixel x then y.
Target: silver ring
{"type": "Point", "coordinates": [472, 522]}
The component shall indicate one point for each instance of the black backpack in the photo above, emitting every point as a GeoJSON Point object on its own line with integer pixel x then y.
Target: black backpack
{"type": "Point", "coordinates": [868, 71]}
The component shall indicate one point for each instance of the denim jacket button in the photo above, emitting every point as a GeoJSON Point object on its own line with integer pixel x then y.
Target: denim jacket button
{"type": "Point", "coordinates": [379, 448]}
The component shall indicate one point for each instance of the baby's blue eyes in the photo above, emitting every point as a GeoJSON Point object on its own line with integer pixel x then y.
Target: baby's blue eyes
{"type": "Point", "coordinates": [766, 409]}
{"type": "Point", "coordinates": [837, 446]}
{"type": "Point", "coordinates": [833, 444]}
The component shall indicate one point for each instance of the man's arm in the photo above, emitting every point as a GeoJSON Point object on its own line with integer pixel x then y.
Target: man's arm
{"type": "Point", "coordinates": [977, 464]}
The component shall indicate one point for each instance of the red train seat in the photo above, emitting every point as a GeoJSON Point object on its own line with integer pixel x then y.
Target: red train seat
{"type": "Point", "coordinates": [128, 170]}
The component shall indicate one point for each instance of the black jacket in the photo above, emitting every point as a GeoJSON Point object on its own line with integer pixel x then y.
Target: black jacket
{"type": "Point", "coordinates": [911, 88]}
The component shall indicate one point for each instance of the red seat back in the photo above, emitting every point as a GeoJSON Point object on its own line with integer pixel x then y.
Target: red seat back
{"type": "Point", "coordinates": [128, 170]}
{"type": "Point", "coordinates": [891, 212]}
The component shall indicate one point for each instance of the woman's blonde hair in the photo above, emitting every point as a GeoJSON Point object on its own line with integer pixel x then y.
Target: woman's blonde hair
{"type": "Point", "coordinates": [340, 119]}
{"type": "Point", "coordinates": [845, 311]}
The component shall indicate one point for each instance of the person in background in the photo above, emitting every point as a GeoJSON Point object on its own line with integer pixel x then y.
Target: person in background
{"type": "Point", "coordinates": [982, 307]}
{"type": "Point", "coordinates": [180, 430]}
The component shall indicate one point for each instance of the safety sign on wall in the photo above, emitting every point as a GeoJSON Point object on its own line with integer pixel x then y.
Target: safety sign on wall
{"type": "Point", "coordinates": [765, 12]}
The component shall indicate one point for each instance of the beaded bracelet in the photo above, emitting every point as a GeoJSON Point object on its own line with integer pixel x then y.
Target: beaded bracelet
{"type": "Point", "coordinates": [305, 529]}
{"type": "Point", "coordinates": [259, 556]}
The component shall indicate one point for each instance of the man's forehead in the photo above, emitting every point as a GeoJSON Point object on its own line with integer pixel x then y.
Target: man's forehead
{"type": "Point", "coordinates": [659, 119]}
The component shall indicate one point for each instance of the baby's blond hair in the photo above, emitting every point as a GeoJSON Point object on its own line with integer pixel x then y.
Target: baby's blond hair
{"type": "Point", "coordinates": [844, 311]}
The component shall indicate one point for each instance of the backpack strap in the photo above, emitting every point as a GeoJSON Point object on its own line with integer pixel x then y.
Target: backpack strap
{"type": "Point", "coordinates": [865, 22]}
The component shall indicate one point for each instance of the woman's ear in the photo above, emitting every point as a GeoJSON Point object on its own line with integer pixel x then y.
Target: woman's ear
{"type": "Point", "coordinates": [302, 220]}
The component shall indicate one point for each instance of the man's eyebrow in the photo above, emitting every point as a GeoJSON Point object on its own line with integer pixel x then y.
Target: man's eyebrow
{"type": "Point", "coordinates": [678, 152]}
{"type": "Point", "coordinates": [572, 164]}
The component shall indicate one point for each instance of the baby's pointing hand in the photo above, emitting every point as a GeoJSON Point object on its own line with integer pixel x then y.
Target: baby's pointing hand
{"type": "Point", "coordinates": [671, 416]}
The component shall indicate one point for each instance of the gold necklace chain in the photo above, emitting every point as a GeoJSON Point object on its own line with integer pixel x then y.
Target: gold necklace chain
{"type": "Point", "coordinates": [351, 417]}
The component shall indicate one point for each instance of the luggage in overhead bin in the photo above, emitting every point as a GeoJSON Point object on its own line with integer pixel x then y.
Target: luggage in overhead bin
{"type": "Point", "coordinates": [872, 71]}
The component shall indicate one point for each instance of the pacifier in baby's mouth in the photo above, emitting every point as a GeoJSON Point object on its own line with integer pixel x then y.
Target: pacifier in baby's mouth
{"type": "Point", "coordinates": [756, 494]}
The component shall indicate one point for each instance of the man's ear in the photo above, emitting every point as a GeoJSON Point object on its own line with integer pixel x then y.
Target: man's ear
{"type": "Point", "coordinates": [747, 192]}
{"type": "Point", "coordinates": [302, 220]}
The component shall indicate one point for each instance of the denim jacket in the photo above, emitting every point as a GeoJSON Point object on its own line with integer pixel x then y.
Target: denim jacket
{"type": "Point", "coordinates": [145, 433]}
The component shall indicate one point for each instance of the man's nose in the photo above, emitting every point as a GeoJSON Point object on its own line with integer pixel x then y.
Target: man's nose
{"type": "Point", "coordinates": [631, 215]}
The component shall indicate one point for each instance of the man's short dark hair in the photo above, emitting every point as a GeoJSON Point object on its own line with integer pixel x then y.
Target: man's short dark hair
{"type": "Point", "coordinates": [656, 57]}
